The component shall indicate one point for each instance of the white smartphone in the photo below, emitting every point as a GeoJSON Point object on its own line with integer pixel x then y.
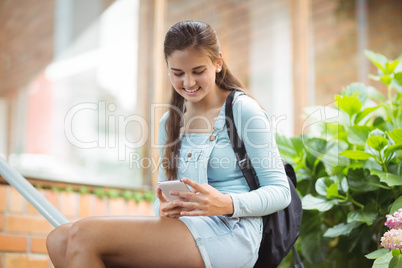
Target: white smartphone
{"type": "Point", "coordinates": [175, 185]}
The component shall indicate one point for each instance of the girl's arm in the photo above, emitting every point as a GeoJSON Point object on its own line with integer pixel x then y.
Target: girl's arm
{"type": "Point", "coordinates": [255, 131]}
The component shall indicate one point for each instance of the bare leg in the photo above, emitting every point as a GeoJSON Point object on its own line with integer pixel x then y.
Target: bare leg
{"type": "Point", "coordinates": [56, 245]}
{"type": "Point", "coordinates": [125, 242]}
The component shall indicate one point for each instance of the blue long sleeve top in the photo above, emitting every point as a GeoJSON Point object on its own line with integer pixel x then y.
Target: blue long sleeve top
{"type": "Point", "coordinates": [254, 129]}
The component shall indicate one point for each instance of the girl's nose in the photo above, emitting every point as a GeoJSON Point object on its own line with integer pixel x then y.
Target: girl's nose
{"type": "Point", "coordinates": [189, 81]}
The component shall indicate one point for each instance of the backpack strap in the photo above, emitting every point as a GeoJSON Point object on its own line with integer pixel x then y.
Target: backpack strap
{"type": "Point", "coordinates": [246, 166]}
{"type": "Point", "coordinates": [238, 146]}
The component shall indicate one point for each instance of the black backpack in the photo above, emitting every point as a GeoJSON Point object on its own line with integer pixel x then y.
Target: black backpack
{"type": "Point", "coordinates": [281, 229]}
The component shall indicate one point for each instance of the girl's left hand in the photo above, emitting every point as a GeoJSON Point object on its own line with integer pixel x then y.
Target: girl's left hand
{"type": "Point", "coordinates": [204, 200]}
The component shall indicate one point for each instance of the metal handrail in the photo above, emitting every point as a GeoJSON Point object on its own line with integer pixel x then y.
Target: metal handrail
{"type": "Point", "coordinates": [31, 194]}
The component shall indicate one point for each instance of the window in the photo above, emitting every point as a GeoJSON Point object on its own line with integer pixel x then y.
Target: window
{"type": "Point", "coordinates": [77, 120]}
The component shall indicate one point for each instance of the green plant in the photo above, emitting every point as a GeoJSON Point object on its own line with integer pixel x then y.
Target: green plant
{"type": "Point", "coordinates": [349, 166]}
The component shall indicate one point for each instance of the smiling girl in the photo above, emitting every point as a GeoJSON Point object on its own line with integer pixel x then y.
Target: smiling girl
{"type": "Point", "coordinates": [218, 223]}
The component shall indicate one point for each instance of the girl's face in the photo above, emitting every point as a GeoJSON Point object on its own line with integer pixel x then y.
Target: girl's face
{"type": "Point", "coordinates": [192, 74]}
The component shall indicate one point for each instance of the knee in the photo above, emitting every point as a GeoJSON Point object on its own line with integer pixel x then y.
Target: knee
{"type": "Point", "coordinates": [58, 237]}
{"type": "Point", "coordinates": [56, 242]}
{"type": "Point", "coordinates": [81, 233]}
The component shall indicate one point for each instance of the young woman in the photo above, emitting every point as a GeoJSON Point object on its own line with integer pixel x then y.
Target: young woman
{"type": "Point", "coordinates": [218, 223]}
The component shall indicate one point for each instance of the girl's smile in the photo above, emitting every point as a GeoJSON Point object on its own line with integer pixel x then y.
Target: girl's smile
{"type": "Point", "coordinates": [193, 74]}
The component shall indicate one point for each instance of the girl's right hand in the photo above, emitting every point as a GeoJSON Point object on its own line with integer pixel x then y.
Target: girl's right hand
{"type": "Point", "coordinates": [167, 208]}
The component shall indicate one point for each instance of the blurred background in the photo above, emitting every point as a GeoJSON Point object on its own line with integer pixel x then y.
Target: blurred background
{"type": "Point", "coordinates": [83, 83]}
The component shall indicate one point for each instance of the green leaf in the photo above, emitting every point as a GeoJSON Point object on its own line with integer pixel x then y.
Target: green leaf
{"type": "Point", "coordinates": [358, 134]}
{"type": "Point", "coordinates": [127, 195]}
{"type": "Point", "coordinates": [344, 185]}
{"type": "Point", "coordinates": [290, 148]}
{"type": "Point", "coordinates": [137, 196]}
{"type": "Point", "coordinates": [396, 262]}
{"type": "Point", "coordinates": [367, 215]}
{"type": "Point", "coordinates": [321, 185]}
{"type": "Point", "coordinates": [374, 94]}
{"type": "Point", "coordinates": [388, 178]}
{"type": "Point", "coordinates": [100, 193]}
{"type": "Point", "coordinates": [69, 189]}
{"type": "Point", "coordinates": [331, 158]}
{"type": "Point", "coordinates": [396, 135]}
{"type": "Point", "coordinates": [396, 205]}
{"type": "Point", "coordinates": [398, 68]}
{"type": "Point", "coordinates": [310, 202]}
{"type": "Point", "coordinates": [341, 229]}
{"type": "Point", "coordinates": [396, 252]}
{"type": "Point", "coordinates": [374, 77]}
{"type": "Point", "coordinates": [386, 79]}
{"type": "Point", "coordinates": [315, 148]}
{"type": "Point", "coordinates": [377, 142]}
{"type": "Point", "coordinates": [113, 193]}
{"type": "Point", "coordinates": [377, 59]}
{"type": "Point", "coordinates": [383, 261]}
{"type": "Point", "coordinates": [397, 82]}
{"type": "Point", "coordinates": [376, 254]}
{"type": "Point", "coordinates": [358, 90]}
{"type": "Point", "coordinates": [390, 66]}
{"type": "Point", "coordinates": [351, 105]}
{"type": "Point", "coordinates": [332, 191]}
{"type": "Point", "coordinates": [391, 149]}
{"type": "Point", "coordinates": [314, 249]}
{"type": "Point", "coordinates": [360, 180]}
{"type": "Point", "coordinates": [356, 155]}
{"type": "Point", "coordinates": [327, 187]}
{"type": "Point", "coordinates": [149, 196]}
{"type": "Point", "coordinates": [84, 190]}
{"type": "Point", "coordinates": [363, 114]}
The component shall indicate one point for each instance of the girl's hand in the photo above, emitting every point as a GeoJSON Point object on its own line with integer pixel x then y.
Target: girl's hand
{"type": "Point", "coordinates": [204, 200]}
{"type": "Point", "coordinates": [168, 208]}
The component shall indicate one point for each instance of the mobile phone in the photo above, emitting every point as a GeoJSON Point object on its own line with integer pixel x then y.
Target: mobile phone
{"type": "Point", "coordinates": [175, 185]}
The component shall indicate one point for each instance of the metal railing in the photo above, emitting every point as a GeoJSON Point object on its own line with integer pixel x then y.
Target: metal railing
{"type": "Point", "coordinates": [31, 194]}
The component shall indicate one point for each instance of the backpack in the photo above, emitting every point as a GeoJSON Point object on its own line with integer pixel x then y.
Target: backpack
{"type": "Point", "coordinates": [280, 229]}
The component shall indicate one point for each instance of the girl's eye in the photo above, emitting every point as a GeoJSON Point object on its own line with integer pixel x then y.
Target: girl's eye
{"type": "Point", "coordinates": [200, 72]}
{"type": "Point", "coordinates": [178, 74]}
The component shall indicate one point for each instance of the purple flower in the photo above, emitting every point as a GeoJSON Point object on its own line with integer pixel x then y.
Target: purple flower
{"type": "Point", "coordinates": [394, 221]}
{"type": "Point", "coordinates": [392, 239]}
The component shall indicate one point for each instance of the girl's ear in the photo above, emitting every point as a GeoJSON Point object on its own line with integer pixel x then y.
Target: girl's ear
{"type": "Point", "coordinates": [219, 63]}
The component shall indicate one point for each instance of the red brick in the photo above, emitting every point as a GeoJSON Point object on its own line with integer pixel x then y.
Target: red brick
{"type": "Point", "coordinates": [27, 224]}
{"type": "Point", "coordinates": [100, 207]}
{"type": "Point", "coordinates": [131, 208]}
{"type": "Point", "coordinates": [84, 208]}
{"type": "Point", "coordinates": [116, 207]}
{"type": "Point", "coordinates": [53, 197]}
{"type": "Point", "coordinates": [3, 197]}
{"type": "Point", "coordinates": [31, 209]}
{"type": "Point", "coordinates": [38, 245]}
{"type": "Point", "coordinates": [19, 260]}
{"type": "Point", "coordinates": [17, 243]}
{"type": "Point", "coordinates": [145, 208]}
{"type": "Point", "coordinates": [1, 221]}
{"type": "Point", "coordinates": [16, 201]}
{"type": "Point", "coordinates": [68, 204]}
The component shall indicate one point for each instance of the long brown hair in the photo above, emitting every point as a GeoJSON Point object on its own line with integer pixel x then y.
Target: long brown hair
{"type": "Point", "coordinates": [199, 36]}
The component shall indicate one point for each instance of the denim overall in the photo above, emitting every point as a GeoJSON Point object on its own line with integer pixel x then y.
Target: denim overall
{"type": "Point", "coordinates": [223, 241]}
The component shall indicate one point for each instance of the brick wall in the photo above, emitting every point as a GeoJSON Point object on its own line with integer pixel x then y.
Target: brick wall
{"type": "Point", "coordinates": [23, 230]}
{"type": "Point", "coordinates": [335, 57]}
{"type": "Point", "coordinates": [26, 43]}
{"type": "Point", "coordinates": [335, 42]}
{"type": "Point", "coordinates": [385, 30]}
